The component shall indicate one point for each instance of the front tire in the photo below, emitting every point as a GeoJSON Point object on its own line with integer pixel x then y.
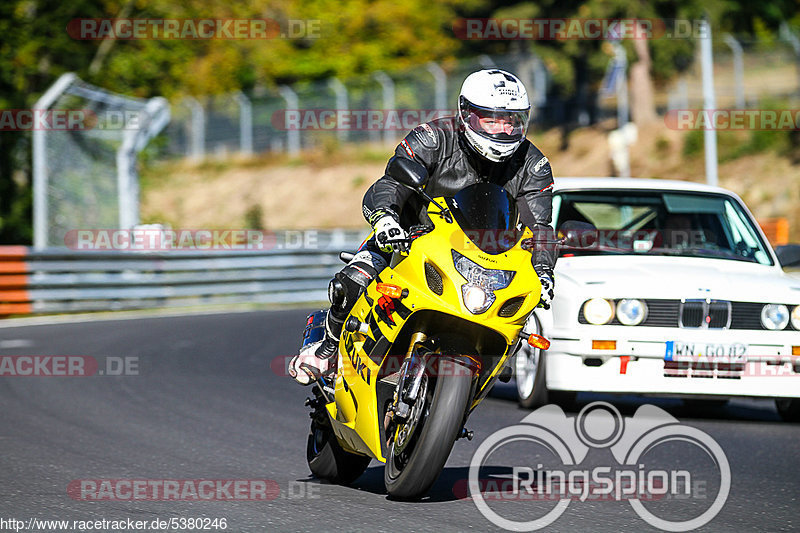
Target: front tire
{"type": "Point", "coordinates": [410, 473]}
{"type": "Point", "coordinates": [529, 366]}
{"type": "Point", "coordinates": [328, 460]}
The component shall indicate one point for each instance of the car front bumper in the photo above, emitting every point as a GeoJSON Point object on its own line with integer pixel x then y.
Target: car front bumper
{"type": "Point", "coordinates": [638, 362]}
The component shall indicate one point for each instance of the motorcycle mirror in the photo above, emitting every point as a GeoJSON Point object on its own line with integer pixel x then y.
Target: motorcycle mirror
{"type": "Point", "coordinates": [414, 176]}
{"type": "Point", "coordinates": [577, 234]}
{"type": "Point", "coordinates": [408, 172]}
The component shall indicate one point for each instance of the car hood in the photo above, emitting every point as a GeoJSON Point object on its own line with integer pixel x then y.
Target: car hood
{"type": "Point", "coordinates": [676, 278]}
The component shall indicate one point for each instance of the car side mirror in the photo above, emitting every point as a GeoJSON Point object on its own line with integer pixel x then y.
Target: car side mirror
{"type": "Point", "coordinates": [408, 172]}
{"type": "Point", "coordinates": [577, 234]}
{"type": "Point", "coordinates": [788, 255]}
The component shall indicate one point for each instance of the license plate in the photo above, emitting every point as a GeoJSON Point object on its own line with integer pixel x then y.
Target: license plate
{"type": "Point", "coordinates": [692, 351]}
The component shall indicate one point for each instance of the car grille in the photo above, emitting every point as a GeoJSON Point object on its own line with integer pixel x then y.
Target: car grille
{"type": "Point", "coordinates": [714, 314]}
{"type": "Point", "coordinates": [692, 314]}
{"type": "Point", "coordinates": [746, 315]}
{"type": "Point", "coordinates": [434, 279]}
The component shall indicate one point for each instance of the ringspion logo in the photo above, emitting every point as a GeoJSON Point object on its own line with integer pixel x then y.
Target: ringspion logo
{"type": "Point", "coordinates": [557, 446]}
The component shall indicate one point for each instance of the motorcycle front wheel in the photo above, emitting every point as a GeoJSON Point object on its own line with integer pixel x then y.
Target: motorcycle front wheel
{"type": "Point", "coordinates": [420, 447]}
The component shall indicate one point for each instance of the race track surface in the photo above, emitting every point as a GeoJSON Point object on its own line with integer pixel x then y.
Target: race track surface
{"type": "Point", "coordinates": [202, 401]}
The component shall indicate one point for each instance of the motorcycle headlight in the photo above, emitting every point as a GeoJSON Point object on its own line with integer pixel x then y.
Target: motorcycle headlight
{"type": "Point", "coordinates": [476, 299]}
{"type": "Point", "coordinates": [598, 311]}
{"type": "Point", "coordinates": [478, 292]}
{"type": "Point", "coordinates": [631, 312]}
{"type": "Point", "coordinates": [488, 279]}
{"type": "Point", "coordinates": [775, 316]}
{"type": "Point", "coordinates": [796, 317]}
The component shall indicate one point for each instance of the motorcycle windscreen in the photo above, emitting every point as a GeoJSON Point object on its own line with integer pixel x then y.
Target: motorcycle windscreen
{"type": "Point", "coordinates": [488, 215]}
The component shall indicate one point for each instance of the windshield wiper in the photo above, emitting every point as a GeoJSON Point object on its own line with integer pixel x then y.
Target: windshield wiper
{"type": "Point", "coordinates": [702, 252]}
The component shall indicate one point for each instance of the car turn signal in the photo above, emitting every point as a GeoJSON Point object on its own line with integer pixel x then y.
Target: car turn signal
{"type": "Point", "coordinates": [604, 345]}
{"type": "Point", "coordinates": [537, 341]}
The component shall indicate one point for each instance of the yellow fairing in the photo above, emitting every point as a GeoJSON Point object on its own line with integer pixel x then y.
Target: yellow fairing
{"type": "Point", "coordinates": [354, 414]}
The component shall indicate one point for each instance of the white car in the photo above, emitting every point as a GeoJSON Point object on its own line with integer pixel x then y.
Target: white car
{"type": "Point", "coordinates": [680, 295]}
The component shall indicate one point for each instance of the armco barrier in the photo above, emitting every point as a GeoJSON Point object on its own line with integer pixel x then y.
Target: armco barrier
{"type": "Point", "coordinates": [59, 280]}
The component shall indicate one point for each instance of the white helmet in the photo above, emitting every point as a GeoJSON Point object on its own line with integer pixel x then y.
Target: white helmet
{"type": "Point", "coordinates": [493, 113]}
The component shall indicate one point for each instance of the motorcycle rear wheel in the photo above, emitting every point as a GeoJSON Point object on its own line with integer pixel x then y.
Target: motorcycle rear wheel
{"type": "Point", "coordinates": [327, 459]}
{"type": "Point", "coordinates": [410, 474]}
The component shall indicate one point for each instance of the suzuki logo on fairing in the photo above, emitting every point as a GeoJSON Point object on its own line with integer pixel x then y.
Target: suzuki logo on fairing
{"type": "Point", "coordinates": [360, 367]}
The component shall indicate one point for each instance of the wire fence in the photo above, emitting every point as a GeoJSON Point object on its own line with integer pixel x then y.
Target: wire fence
{"type": "Point", "coordinates": [747, 75]}
{"type": "Point", "coordinates": [384, 106]}
{"type": "Point", "coordinates": [371, 108]}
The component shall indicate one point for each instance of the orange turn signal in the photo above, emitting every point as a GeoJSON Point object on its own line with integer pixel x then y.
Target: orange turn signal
{"type": "Point", "coordinates": [392, 291]}
{"type": "Point", "coordinates": [795, 350]}
{"type": "Point", "coordinates": [604, 345]}
{"type": "Point", "coordinates": [537, 341]}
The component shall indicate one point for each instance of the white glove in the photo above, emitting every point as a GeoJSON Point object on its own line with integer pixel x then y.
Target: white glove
{"type": "Point", "coordinates": [387, 228]}
{"type": "Point", "coordinates": [546, 279]}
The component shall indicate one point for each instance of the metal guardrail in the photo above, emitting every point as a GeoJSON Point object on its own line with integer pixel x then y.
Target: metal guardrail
{"type": "Point", "coordinates": [59, 280]}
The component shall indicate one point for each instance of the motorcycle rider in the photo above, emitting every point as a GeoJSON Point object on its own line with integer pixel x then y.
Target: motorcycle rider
{"type": "Point", "coordinates": [484, 143]}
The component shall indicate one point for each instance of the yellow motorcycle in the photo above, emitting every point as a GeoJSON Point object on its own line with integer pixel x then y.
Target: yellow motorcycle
{"type": "Point", "coordinates": [426, 341]}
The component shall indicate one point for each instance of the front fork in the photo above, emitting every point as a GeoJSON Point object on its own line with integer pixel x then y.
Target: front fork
{"type": "Point", "coordinates": [408, 384]}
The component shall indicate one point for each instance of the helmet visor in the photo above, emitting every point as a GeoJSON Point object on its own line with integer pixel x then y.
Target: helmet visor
{"type": "Point", "coordinates": [501, 125]}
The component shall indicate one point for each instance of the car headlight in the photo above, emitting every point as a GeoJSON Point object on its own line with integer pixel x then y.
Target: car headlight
{"type": "Point", "coordinates": [796, 317]}
{"type": "Point", "coordinates": [775, 316]}
{"type": "Point", "coordinates": [478, 292]}
{"type": "Point", "coordinates": [631, 312]}
{"type": "Point", "coordinates": [598, 311]}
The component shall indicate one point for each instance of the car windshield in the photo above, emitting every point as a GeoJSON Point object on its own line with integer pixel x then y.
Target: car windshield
{"type": "Point", "coordinates": [488, 215]}
{"type": "Point", "coordinates": [673, 223]}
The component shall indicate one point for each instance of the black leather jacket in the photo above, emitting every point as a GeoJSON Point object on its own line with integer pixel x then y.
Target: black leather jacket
{"type": "Point", "coordinates": [453, 165]}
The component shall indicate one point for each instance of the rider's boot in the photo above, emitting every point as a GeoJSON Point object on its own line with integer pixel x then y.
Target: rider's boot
{"type": "Point", "coordinates": [320, 358]}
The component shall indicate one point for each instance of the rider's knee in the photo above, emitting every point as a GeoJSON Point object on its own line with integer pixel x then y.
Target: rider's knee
{"type": "Point", "coordinates": [348, 285]}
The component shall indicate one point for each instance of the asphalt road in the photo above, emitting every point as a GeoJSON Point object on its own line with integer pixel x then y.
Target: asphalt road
{"type": "Point", "coordinates": [200, 401]}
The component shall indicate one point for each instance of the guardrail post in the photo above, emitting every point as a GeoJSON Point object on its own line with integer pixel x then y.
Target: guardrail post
{"type": "Point", "coordinates": [388, 99]}
{"type": "Point", "coordinates": [292, 103]}
{"type": "Point", "coordinates": [787, 34]}
{"type": "Point", "coordinates": [245, 123]}
{"type": "Point", "coordinates": [710, 103]}
{"type": "Point", "coordinates": [197, 132]}
{"type": "Point", "coordinates": [440, 79]}
{"type": "Point", "coordinates": [340, 91]}
{"type": "Point", "coordinates": [738, 68]}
